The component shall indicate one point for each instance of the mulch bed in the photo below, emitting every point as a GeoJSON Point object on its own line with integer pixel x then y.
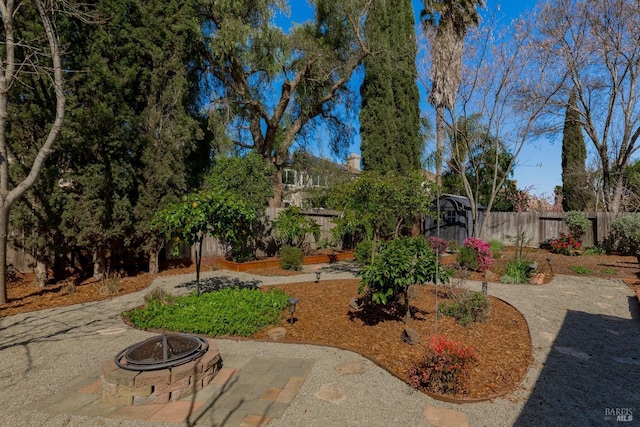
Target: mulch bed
{"type": "Point", "coordinates": [502, 342]}
{"type": "Point", "coordinates": [324, 316]}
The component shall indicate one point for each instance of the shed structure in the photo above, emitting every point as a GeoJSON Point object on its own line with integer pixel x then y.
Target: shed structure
{"type": "Point", "coordinates": [457, 221]}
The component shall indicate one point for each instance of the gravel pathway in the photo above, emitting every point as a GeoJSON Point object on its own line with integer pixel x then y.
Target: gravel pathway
{"type": "Point", "coordinates": [585, 338]}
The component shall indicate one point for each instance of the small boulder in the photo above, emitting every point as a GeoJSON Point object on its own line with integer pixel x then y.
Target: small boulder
{"type": "Point", "coordinates": [356, 304]}
{"type": "Point", "coordinates": [410, 336]}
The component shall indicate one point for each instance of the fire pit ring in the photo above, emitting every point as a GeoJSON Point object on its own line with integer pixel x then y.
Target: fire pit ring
{"type": "Point", "coordinates": [162, 351]}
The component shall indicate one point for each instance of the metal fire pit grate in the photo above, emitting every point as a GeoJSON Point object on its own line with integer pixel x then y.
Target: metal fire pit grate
{"type": "Point", "coordinates": [162, 351]}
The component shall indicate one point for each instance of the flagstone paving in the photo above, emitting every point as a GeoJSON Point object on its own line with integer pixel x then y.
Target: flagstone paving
{"type": "Point", "coordinates": [246, 392]}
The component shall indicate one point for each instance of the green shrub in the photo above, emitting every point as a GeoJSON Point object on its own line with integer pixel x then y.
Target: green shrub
{"type": "Point", "coordinates": [497, 247]}
{"type": "Point", "coordinates": [454, 246]}
{"type": "Point", "coordinates": [362, 252]}
{"type": "Point", "coordinates": [229, 311]}
{"type": "Point", "coordinates": [473, 307]}
{"type": "Point", "coordinates": [580, 269]}
{"type": "Point", "coordinates": [517, 271]}
{"type": "Point", "coordinates": [401, 263]}
{"type": "Point", "coordinates": [291, 257]}
{"type": "Point", "coordinates": [625, 234]}
{"type": "Point", "coordinates": [595, 250]}
{"type": "Point", "coordinates": [578, 223]}
{"type": "Point", "coordinates": [291, 227]}
{"type": "Point", "coordinates": [467, 257]}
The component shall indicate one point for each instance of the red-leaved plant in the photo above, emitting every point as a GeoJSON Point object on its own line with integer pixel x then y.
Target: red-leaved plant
{"type": "Point", "coordinates": [566, 244]}
{"type": "Point", "coordinates": [438, 244]}
{"type": "Point", "coordinates": [445, 369]}
{"type": "Point", "coordinates": [482, 248]}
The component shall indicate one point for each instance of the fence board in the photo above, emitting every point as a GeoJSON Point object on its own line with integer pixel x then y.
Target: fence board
{"type": "Point", "coordinates": [541, 226]}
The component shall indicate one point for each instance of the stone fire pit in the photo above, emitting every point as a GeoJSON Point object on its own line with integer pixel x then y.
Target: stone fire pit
{"type": "Point", "coordinates": [124, 385]}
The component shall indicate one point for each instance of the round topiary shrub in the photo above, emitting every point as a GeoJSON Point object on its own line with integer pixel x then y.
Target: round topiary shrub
{"type": "Point", "coordinates": [578, 223]}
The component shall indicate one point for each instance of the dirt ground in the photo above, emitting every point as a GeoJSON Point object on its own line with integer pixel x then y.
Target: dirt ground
{"type": "Point", "coordinates": [324, 316]}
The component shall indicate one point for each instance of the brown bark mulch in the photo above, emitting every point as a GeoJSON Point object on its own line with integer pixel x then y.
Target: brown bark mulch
{"type": "Point", "coordinates": [502, 343]}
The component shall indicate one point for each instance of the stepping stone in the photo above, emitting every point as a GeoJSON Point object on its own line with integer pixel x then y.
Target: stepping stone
{"type": "Point", "coordinates": [276, 333]}
{"type": "Point", "coordinates": [331, 394]}
{"type": "Point", "coordinates": [444, 417]}
{"type": "Point", "coordinates": [548, 336]}
{"type": "Point", "coordinates": [351, 368]}
{"type": "Point", "coordinates": [573, 352]}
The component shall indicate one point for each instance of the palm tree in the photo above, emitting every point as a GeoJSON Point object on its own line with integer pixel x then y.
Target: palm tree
{"type": "Point", "coordinates": [446, 23]}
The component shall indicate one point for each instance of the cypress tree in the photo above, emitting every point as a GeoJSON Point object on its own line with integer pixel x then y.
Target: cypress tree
{"type": "Point", "coordinates": [576, 196]}
{"type": "Point", "coordinates": [408, 144]}
{"type": "Point", "coordinates": [377, 115]}
{"type": "Point", "coordinates": [389, 115]}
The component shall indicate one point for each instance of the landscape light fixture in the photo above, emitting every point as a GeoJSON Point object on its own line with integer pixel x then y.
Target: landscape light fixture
{"type": "Point", "coordinates": [318, 276]}
{"type": "Point", "coordinates": [549, 262]}
{"type": "Point", "coordinates": [484, 288]}
{"type": "Point", "coordinates": [292, 308]}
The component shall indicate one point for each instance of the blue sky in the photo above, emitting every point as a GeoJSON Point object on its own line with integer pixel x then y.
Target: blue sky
{"type": "Point", "coordinates": [539, 162]}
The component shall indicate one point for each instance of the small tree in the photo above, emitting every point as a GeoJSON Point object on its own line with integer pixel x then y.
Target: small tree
{"type": "Point", "coordinates": [381, 204]}
{"type": "Point", "coordinates": [248, 179]}
{"type": "Point", "coordinates": [291, 227]}
{"type": "Point", "coordinates": [401, 263]}
{"type": "Point", "coordinates": [206, 212]}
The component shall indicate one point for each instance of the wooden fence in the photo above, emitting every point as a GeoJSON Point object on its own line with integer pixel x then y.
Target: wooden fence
{"type": "Point", "coordinates": [541, 226]}
{"type": "Point", "coordinates": [212, 247]}
{"type": "Point", "coordinates": [502, 226]}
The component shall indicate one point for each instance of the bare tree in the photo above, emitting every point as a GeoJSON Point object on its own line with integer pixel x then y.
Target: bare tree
{"type": "Point", "coordinates": [40, 55]}
{"type": "Point", "coordinates": [497, 63]}
{"type": "Point", "coordinates": [595, 47]}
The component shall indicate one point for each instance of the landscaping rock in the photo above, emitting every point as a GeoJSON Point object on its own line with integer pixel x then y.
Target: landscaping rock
{"type": "Point", "coordinates": [410, 336]}
{"type": "Point", "coordinates": [356, 303]}
{"type": "Point", "coordinates": [276, 333]}
{"type": "Point", "coordinates": [331, 394]}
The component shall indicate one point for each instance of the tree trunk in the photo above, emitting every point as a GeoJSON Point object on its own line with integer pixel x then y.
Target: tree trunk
{"type": "Point", "coordinates": [98, 264]}
{"type": "Point", "coordinates": [616, 198]}
{"type": "Point", "coordinates": [40, 272]}
{"type": "Point", "coordinates": [439, 131]}
{"type": "Point", "coordinates": [198, 262]}
{"type": "Point", "coordinates": [4, 217]}
{"type": "Point", "coordinates": [278, 191]}
{"type": "Point", "coordinates": [154, 258]}
{"type": "Point", "coordinates": [9, 71]}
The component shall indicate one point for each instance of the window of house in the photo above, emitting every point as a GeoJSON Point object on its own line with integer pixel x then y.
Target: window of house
{"type": "Point", "coordinates": [288, 177]}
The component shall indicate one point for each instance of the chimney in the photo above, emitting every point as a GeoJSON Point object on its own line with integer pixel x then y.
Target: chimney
{"type": "Point", "coordinates": [353, 162]}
